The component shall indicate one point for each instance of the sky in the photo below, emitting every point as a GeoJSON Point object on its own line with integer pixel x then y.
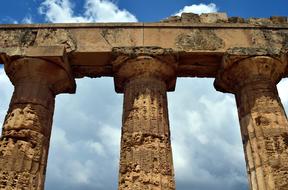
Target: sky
{"type": "Point", "coordinates": [84, 151]}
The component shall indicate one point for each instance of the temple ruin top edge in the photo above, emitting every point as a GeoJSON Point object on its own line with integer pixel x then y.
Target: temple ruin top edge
{"type": "Point", "coordinates": [200, 41]}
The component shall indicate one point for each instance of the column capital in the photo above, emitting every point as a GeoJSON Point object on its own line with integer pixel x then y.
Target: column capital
{"type": "Point", "coordinates": [30, 70]}
{"type": "Point", "coordinates": [241, 66]}
{"type": "Point", "coordinates": [133, 62]}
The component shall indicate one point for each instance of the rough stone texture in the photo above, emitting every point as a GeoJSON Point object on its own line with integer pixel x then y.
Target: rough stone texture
{"type": "Point", "coordinates": [34, 37]}
{"type": "Point", "coordinates": [236, 54]}
{"type": "Point", "coordinates": [12, 38]}
{"type": "Point", "coordinates": [146, 155]}
{"type": "Point", "coordinates": [190, 17]}
{"type": "Point", "coordinates": [90, 45]}
{"type": "Point", "coordinates": [134, 52]}
{"type": "Point", "coordinates": [263, 121]}
{"type": "Point", "coordinates": [196, 42]}
{"type": "Point", "coordinates": [199, 39]}
{"type": "Point", "coordinates": [236, 20]}
{"type": "Point", "coordinates": [269, 38]}
{"type": "Point", "coordinates": [195, 18]}
{"type": "Point", "coordinates": [214, 18]}
{"type": "Point", "coordinates": [123, 72]}
{"type": "Point", "coordinates": [56, 37]}
{"type": "Point", "coordinates": [24, 143]}
{"type": "Point", "coordinates": [210, 18]}
{"type": "Point", "coordinates": [259, 21]}
{"type": "Point", "coordinates": [279, 19]}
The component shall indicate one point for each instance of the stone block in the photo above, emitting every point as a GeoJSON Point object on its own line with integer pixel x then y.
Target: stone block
{"type": "Point", "coordinates": [259, 21]}
{"type": "Point", "coordinates": [236, 20]}
{"type": "Point", "coordinates": [213, 18]}
{"type": "Point", "coordinates": [190, 17]}
{"type": "Point", "coordinates": [279, 19]}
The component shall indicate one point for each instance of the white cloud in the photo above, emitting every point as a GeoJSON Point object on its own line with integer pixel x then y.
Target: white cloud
{"type": "Point", "coordinates": [96, 147]}
{"type": "Point", "coordinates": [61, 11]}
{"type": "Point", "coordinates": [283, 90]}
{"type": "Point", "coordinates": [57, 11]}
{"type": "Point", "coordinates": [6, 90]}
{"type": "Point", "coordinates": [27, 20]}
{"type": "Point", "coordinates": [198, 9]}
{"type": "Point", "coordinates": [206, 143]}
{"type": "Point", "coordinates": [106, 11]}
{"type": "Point", "coordinates": [85, 142]}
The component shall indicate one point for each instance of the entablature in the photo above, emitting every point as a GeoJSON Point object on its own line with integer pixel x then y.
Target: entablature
{"type": "Point", "coordinates": [200, 41]}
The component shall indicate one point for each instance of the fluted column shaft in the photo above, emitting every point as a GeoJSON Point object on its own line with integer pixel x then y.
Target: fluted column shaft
{"type": "Point", "coordinates": [264, 129]}
{"type": "Point", "coordinates": [25, 138]}
{"type": "Point", "coordinates": [146, 154]}
{"type": "Point", "coordinates": [264, 126]}
{"type": "Point", "coordinates": [24, 143]}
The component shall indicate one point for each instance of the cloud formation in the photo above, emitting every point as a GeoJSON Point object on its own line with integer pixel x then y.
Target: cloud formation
{"type": "Point", "coordinates": [6, 93]}
{"type": "Point", "coordinates": [84, 152]}
{"type": "Point", "coordinates": [206, 143]}
{"type": "Point", "coordinates": [283, 92]}
{"type": "Point", "coordinates": [61, 11]}
{"type": "Point", "coordinates": [198, 9]}
{"type": "Point", "coordinates": [27, 20]}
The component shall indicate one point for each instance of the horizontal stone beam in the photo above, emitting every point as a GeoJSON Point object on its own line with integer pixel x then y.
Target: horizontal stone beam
{"type": "Point", "coordinates": [200, 42]}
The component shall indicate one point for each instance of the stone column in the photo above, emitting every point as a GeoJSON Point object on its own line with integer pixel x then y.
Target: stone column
{"type": "Point", "coordinates": [24, 143]}
{"type": "Point", "coordinates": [144, 75]}
{"type": "Point", "coordinates": [252, 74]}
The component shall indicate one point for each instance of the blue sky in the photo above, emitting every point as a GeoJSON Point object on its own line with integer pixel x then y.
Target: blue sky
{"type": "Point", "coordinates": [84, 151]}
{"type": "Point", "coordinates": [149, 10]}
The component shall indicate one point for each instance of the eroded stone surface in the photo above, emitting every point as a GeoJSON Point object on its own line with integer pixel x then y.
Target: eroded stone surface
{"type": "Point", "coordinates": [56, 37]}
{"type": "Point", "coordinates": [263, 121]}
{"type": "Point", "coordinates": [236, 20]}
{"type": "Point", "coordinates": [136, 61]}
{"type": "Point", "coordinates": [210, 18]}
{"type": "Point", "coordinates": [188, 17]}
{"type": "Point", "coordinates": [213, 18]}
{"type": "Point", "coordinates": [36, 37]}
{"type": "Point", "coordinates": [91, 44]}
{"type": "Point", "coordinates": [199, 39]}
{"type": "Point", "coordinates": [24, 146]}
{"type": "Point", "coordinates": [269, 38]}
{"type": "Point", "coordinates": [24, 143]}
{"type": "Point", "coordinates": [195, 18]}
{"type": "Point", "coordinates": [12, 38]}
{"type": "Point", "coordinates": [146, 155]}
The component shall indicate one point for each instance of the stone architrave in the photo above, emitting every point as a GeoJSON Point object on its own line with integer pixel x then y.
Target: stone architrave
{"type": "Point", "coordinates": [24, 143]}
{"type": "Point", "coordinates": [252, 74]}
{"type": "Point", "coordinates": [144, 75]}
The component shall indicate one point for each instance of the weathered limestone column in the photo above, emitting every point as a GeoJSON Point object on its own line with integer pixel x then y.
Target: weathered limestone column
{"type": "Point", "coordinates": [26, 131]}
{"type": "Point", "coordinates": [252, 74]}
{"type": "Point", "coordinates": [144, 75]}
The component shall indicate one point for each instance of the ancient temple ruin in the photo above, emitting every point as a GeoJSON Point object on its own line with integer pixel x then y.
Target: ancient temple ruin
{"type": "Point", "coordinates": [247, 57]}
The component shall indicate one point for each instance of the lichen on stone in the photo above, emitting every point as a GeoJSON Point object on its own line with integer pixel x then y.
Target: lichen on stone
{"type": "Point", "coordinates": [199, 39]}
